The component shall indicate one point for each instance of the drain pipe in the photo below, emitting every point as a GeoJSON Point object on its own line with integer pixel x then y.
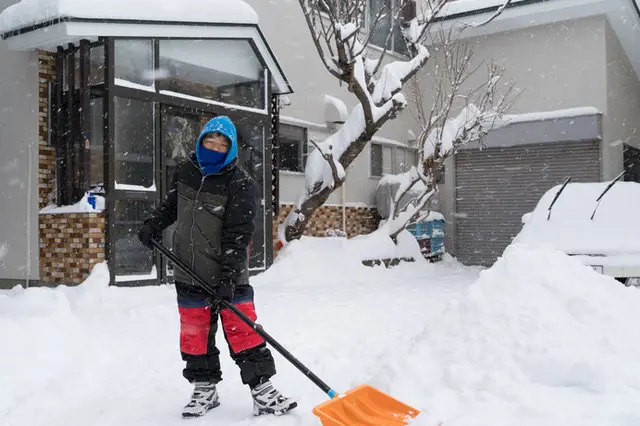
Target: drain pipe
{"type": "Point", "coordinates": [28, 215]}
{"type": "Point", "coordinates": [344, 206]}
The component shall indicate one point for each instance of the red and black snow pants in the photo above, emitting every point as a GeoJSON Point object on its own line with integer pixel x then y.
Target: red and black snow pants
{"type": "Point", "coordinates": [198, 327]}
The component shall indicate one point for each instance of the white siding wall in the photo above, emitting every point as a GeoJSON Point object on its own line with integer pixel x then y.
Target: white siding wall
{"type": "Point", "coordinates": [558, 66]}
{"type": "Point", "coordinates": [19, 259]}
{"type": "Point", "coordinates": [285, 29]}
{"type": "Point", "coordinates": [622, 118]}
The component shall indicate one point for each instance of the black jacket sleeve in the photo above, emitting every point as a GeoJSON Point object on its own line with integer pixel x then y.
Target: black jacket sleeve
{"type": "Point", "coordinates": [166, 213]}
{"type": "Point", "coordinates": [238, 227]}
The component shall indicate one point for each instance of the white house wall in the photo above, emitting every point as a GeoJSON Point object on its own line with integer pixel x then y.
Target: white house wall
{"type": "Point", "coordinates": [285, 29]}
{"type": "Point", "coordinates": [622, 118]}
{"type": "Point", "coordinates": [19, 241]}
{"type": "Point", "coordinates": [558, 66]}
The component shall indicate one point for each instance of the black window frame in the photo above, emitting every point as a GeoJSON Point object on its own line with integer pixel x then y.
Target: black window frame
{"type": "Point", "coordinates": [290, 134]}
{"type": "Point", "coordinates": [69, 132]}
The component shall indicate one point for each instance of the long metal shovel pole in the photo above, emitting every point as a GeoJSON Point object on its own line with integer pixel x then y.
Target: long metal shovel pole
{"type": "Point", "coordinates": [258, 329]}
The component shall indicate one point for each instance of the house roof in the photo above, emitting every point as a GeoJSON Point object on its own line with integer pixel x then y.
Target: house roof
{"type": "Point", "coordinates": [624, 16]}
{"type": "Point", "coordinates": [28, 13]}
{"type": "Point", "coordinates": [46, 24]}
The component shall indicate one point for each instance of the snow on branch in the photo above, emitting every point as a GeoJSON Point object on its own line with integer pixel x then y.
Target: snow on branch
{"type": "Point", "coordinates": [444, 132]}
{"type": "Point", "coordinates": [342, 37]}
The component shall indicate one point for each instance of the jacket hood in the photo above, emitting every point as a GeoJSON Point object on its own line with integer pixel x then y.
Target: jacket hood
{"type": "Point", "coordinates": [223, 125]}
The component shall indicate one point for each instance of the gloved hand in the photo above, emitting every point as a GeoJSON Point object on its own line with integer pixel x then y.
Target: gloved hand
{"type": "Point", "coordinates": [225, 292]}
{"type": "Point", "coordinates": [146, 233]}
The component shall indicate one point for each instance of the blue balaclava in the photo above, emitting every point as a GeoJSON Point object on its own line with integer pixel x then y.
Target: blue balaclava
{"type": "Point", "coordinates": [212, 161]}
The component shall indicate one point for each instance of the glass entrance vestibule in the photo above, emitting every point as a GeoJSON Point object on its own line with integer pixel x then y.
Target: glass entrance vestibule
{"type": "Point", "coordinates": [124, 111]}
{"type": "Point", "coordinates": [147, 102]}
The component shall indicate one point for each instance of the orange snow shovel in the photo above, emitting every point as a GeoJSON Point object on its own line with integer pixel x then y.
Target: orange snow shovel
{"type": "Point", "coordinates": [361, 406]}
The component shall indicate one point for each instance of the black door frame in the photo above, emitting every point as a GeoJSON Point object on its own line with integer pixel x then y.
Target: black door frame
{"type": "Point", "coordinates": [190, 107]}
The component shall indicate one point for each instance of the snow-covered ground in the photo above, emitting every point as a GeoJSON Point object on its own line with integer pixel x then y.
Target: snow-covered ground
{"type": "Point", "coordinates": [539, 339]}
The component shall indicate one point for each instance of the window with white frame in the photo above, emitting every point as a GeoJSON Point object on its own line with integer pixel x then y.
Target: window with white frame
{"type": "Point", "coordinates": [405, 158]}
{"type": "Point", "coordinates": [376, 160]}
{"type": "Point", "coordinates": [388, 9]}
{"type": "Point", "coordinates": [292, 147]}
{"type": "Point", "coordinates": [385, 159]}
{"type": "Point", "coordinates": [380, 29]}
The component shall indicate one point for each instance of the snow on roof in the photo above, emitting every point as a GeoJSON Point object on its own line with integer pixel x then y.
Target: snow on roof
{"type": "Point", "coordinates": [457, 7]}
{"type": "Point", "coordinates": [551, 115]}
{"type": "Point", "coordinates": [30, 12]}
{"type": "Point", "coordinates": [614, 230]}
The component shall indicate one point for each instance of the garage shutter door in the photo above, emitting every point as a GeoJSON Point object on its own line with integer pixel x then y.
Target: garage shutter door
{"type": "Point", "coordinates": [495, 187]}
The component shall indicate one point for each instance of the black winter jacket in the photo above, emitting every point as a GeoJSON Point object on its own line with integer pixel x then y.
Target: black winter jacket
{"type": "Point", "coordinates": [215, 215]}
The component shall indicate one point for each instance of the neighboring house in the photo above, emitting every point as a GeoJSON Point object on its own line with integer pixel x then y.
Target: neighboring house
{"type": "Point", "coordinates": [578, 63]}
{"type": "Point", "coordinates": [318, 106]}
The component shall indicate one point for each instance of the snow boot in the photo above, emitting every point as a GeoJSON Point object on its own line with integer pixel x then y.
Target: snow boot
{"type": "Point", "coordinates": [203, 399]}
{"type": "Point", "coordinates": [267, 400]}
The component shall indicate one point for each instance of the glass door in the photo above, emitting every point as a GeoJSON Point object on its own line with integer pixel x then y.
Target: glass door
{"type": "Point", "coordinates": [179, 132]}
{"type": "Point", "coordinates": [135, 193]}
{"type": "Point", "coordinates": [180, 129]}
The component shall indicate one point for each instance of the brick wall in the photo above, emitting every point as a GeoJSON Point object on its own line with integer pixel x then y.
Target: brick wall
{"type": "Point", "coordinates": [360, 220]}
{"type": "Point", "coordinates": [70, 245]}
{"type": "Point", "coordinates": [47, 163]}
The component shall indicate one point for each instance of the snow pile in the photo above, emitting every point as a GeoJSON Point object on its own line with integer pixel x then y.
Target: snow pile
{"type": "Point", "coordinates": [539, 339]}
{"type": "Point", "coordinates": [104, 356]}
{"type": "Point", "coordinates": [346, 253]}
{"type": "Point", "coordinates": [81, 206]}
{"type": "Point", "coordinates": [613, 230]}
{"type": "Point", "coordinates": [30, 12]}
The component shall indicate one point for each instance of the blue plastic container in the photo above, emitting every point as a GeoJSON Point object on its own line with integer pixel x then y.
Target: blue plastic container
{"type": "Point", "coordinates": [430, 236]}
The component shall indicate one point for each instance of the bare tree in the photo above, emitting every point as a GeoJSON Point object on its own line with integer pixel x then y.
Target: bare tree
{"type": "Point", "coordinates": [480, 110]}
{"type": "Point", "coordinates": [341, 40]}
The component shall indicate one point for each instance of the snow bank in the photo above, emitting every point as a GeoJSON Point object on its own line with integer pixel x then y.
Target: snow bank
{"type": "Point", "coordinates": [539, 339]}
{"type": "Point", "coordinates": [346, 254]}
{"type": "Point", "coordinates": [614, 229]}
{"type": "Point", "coordinates": [29, 12]}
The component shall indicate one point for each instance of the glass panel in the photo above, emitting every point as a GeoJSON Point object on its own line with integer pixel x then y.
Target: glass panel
{"type": "Point", "coordinates": [289, 152]}
{"type": "Point", "coordinates": [96, 73]}
{"type": "Point", "coordinates": [217, 70]}
{"type": "Point", "coordinates": [131, 257]}
{"type": "Point", "coordinates": [251, 141]}
{"type": "Point", "coordinates": [387, 165]}
{"type": "Point", "coordinates": [180, 132]}
{"type": "Point", "coordinates": [376, 160]}
{"type": "Point", "coordinates": [134, 61]}
{"type": "Point", "coordinates": [399, 44]}
{"type": "Point", "coordinates": [134, 137]}
{"type": "Point", "coordinates": [96, 138]}
{"type": "Point", "coordinates": [291, 142]}
{"type": "Point", "coordinates": [405, 158]}
{"type": "Point", "coordinates": [383, 26]}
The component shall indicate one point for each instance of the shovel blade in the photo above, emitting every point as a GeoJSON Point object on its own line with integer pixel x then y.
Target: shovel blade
{"type": "Point", "coordinates": [365, 406]}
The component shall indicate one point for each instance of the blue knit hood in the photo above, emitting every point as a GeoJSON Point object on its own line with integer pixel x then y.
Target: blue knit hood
{"type": "Point", "coordinates": [223, 125]}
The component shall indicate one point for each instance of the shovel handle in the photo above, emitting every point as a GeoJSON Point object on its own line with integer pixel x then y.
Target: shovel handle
{"type": "Point", "coordinates": [258, 329]}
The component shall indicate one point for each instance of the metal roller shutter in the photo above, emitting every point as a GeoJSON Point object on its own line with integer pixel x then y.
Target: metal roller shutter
{"type": "Point", "coordinates": [496, 186]}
